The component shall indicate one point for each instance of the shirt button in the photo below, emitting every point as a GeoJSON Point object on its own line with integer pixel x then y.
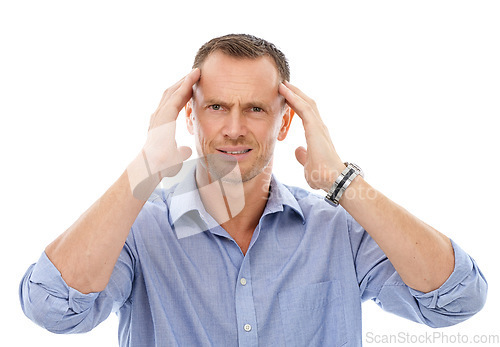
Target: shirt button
{"type": "Point", "coordinates": [243, 281]}
{"type": "Point", "coordinates": [247, 327]}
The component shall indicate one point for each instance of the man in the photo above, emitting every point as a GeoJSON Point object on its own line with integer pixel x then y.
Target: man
{"type": "Point", "coordinates": [230, 256]}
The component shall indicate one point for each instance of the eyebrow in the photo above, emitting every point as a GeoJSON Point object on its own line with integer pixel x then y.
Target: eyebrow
{"type": "Point", "coordinates": [215, 101]}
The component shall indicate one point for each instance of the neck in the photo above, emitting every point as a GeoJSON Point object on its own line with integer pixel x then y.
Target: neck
{"type": "Point", "coordinates": [236, 206]}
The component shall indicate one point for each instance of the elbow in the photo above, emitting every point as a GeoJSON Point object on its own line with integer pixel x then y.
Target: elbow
{"type": "Point", "coordinates": [49, 310]}
{"type": "Point", "coordinates": [49, 313]}
{"type": "Point", "coordinates": [478, 295]}
{"type": "Point", "coordinates": [36, 305]}
{"type": "Point", "coordinates": [471, 301]}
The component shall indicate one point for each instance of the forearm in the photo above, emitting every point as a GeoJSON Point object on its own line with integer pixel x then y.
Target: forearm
{"type": "Point", "coordinates": [421, 255]}
{"type": "Point", "coordinates": [86, 253]}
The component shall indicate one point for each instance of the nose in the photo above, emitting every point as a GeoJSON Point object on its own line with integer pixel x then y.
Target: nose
{"type": "Point", "coordinates": [235, 125]}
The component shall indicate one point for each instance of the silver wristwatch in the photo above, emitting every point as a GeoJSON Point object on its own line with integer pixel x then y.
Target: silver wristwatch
{"type": "Point", "coordinates": [342, 182]}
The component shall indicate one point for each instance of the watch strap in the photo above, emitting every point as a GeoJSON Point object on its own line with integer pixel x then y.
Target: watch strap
{"type": "Point", "coordinates": [342, 182]}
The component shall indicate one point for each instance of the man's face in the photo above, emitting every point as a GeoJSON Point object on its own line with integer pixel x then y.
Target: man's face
{"type": "Point", "coordinates": [237, 113]}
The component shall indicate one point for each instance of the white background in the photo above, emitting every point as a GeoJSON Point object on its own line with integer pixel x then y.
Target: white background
{"type": "Point", "coordinates": [409, 90]}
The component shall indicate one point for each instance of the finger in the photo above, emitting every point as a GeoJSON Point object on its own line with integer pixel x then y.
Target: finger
{"type": "Point", "coordinates": [169, 91]}
{"type": "Point", "coordinates": [303, 108]}
{"type": "Point", "coordinates": [182, 95]}
{"type": "Point", "coordinates": [194, 74]}
{"type": "Point", "coordinates": [301, 155]}
{"type": "Point", "coordinates": [185, 152]}
{"type": "Point", "coordinates": [298, 92]}
{"type": "Point", "coordinates": [292, 99]}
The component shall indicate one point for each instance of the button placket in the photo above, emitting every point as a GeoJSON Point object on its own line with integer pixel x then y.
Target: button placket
{"type": "Point", "coordinates": [245, 306]}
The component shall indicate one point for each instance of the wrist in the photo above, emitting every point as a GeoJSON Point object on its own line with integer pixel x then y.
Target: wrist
{"type": "Point", "coordinates": [154, 159]}
{"type": "Point", "coordinates": [142, 179]}
{"type": "Point", "coordinates": [159, 146]}
{"type": "Point", "coordinates": [343, 182]}
{"type": "Point", "coordinates": [333, 173]}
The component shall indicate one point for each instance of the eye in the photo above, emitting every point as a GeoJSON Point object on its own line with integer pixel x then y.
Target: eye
{"type": "Point", "coordinates": [215, 107]}
{"type": "Point", "coordinates": [257, 109]}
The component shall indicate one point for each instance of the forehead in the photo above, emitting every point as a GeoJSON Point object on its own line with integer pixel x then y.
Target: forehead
{"type": "Point", "coordinates": [229, 78]}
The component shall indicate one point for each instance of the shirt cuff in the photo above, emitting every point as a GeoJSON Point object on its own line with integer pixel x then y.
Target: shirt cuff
{"type": "Point", "coordinates": [46, 275]}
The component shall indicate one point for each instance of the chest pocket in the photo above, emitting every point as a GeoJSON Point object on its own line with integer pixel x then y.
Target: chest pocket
{"type": "Point", "coordinates": [313, 315]}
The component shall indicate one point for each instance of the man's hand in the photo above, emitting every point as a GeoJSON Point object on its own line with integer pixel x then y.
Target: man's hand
{"type": "Point", "coordinates": [160, 148]}
{"type": "Point", "coordinates": [160, 156]}
{"type": "Point", "coordinates": [322, 165]}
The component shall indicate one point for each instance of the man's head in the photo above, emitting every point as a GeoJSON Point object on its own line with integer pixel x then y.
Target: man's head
{"type": "Point", "coordinates": [244, 46]}
{"type": "Point", "coordinates": [236, 112]}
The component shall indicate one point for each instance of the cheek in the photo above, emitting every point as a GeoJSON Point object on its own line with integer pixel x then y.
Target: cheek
{"type": "Point", "coordinates": [268, 135]}
{"type": "Point", "coordinates": [203, 132]}
{"type": "Point", "coordinates": [274, 128]}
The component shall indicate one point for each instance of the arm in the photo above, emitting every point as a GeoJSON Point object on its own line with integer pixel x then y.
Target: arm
{"type": "Point", "coordinates": [421, 255]}
{"type": "Point", "coordinates": [86, 253]}
{"type": "Point", "coordinates": [459, 298]}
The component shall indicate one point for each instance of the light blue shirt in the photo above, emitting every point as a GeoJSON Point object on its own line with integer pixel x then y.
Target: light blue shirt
{"type": "Point", "coordinates": [181, 280]}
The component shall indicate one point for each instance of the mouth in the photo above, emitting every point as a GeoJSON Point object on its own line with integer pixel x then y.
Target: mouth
{"type": "Point", "coordinates": [238, 153]}
{"type": "Point", "coordinates": [235, 152]}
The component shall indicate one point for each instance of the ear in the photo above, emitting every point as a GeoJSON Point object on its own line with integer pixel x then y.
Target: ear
{"type": "Point", "coordinates": [285, 123]}
{"type": "Point", "coordinates": [189, 116]}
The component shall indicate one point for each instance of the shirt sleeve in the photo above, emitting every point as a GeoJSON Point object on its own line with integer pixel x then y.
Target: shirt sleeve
{"type": "Point", "coordinates": [48, 301]}
{"type": "Point", "coordinates": [459, 298]}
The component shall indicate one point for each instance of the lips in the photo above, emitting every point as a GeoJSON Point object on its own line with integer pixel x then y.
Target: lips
{"type": "Point", "coordinates": [235, 152]}
{"type": "Point", "coordinates": [234, 149]}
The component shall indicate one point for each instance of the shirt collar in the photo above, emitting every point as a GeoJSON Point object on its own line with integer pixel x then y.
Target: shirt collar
{"type": "Point", "coordinates": [279, 197]}
{"type": "Point", "coordinates": [186, 198]}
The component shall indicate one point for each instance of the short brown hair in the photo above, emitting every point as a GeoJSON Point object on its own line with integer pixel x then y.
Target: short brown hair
{"type": "Point", "coordinates": [244, 46]}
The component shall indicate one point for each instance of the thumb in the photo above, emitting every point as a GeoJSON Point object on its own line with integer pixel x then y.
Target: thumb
{"type": "Point", "coordinates": [301, 155]}
{"type": "Point", "coordinates": [185, 152]}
